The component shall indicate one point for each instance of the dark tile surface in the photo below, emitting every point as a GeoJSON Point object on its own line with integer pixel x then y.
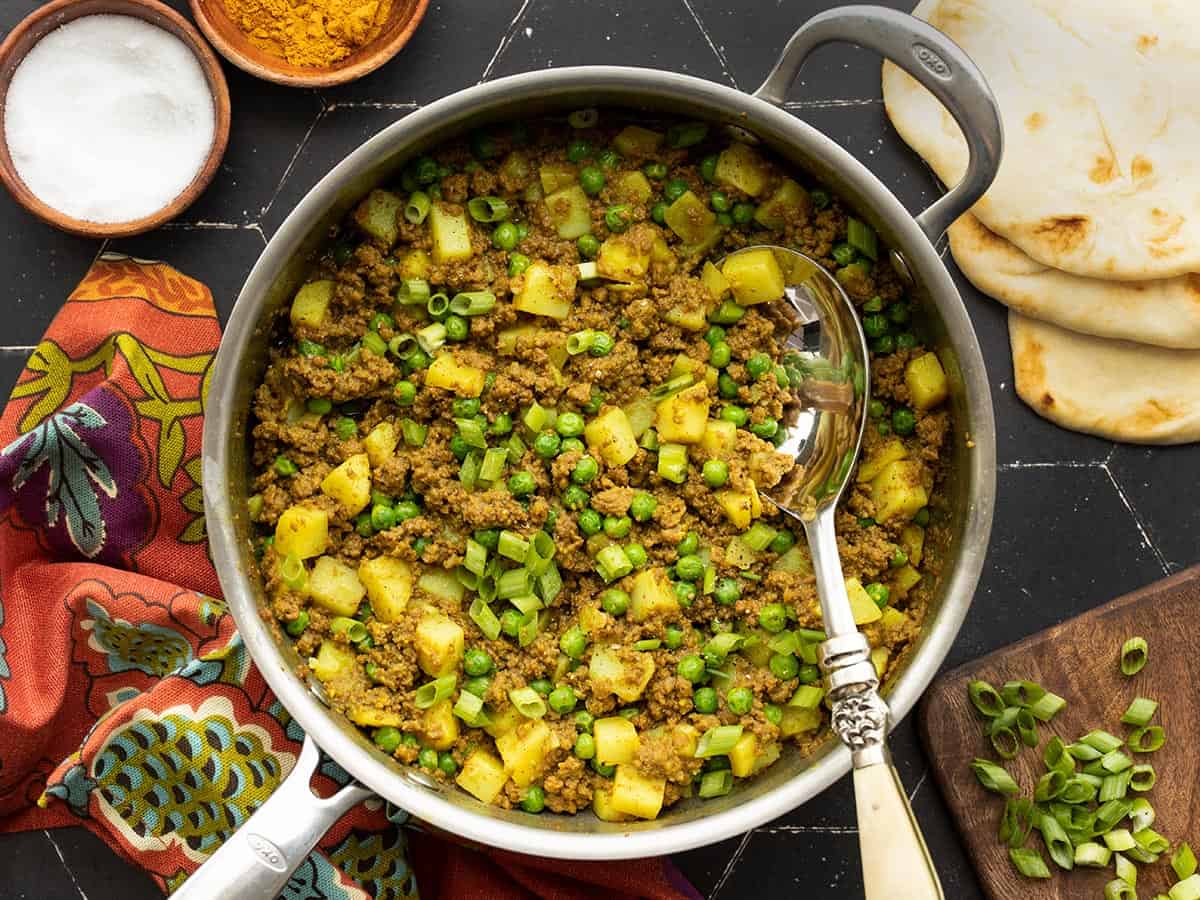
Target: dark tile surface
{"type": "Point", "coordinates": [1078, 520]}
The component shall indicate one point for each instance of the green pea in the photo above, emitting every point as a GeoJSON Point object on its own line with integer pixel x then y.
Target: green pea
{"type": "Point", "coordinates": [899, 558]}
{"type": "Point", "coordinates": [691, 668]}
{"type": "Point", "coordinates": [386, 738]}
{"type": "Point", "coordinates": [773, 713]}
{"type": "Point", "coordinates": [642, 507]}
{"type": "Point", "coordinates": [906, 340]}
{"type": "Point", "coordinates": [585, 471]}
{"type": "Point", "coordinates": [743, 213]}
{"type": "Point", "coordinates": [427, 758]}
{"type": "Point", "coordinates": [784, 666]}
{"type": "Point", "coordinates": [904, 421]}
{"type": "Point", "coordinates": [714, 335]}
{"type": "Point", "coordinates": [483, 145]}
{"type": "Point", "coordinates": [726, 386]}
{"type": "Point", "coordinates": [614, 601]}
{"type": "Point", "coordinates": [362, 524]}
{"type": "Point", "coordinates": [510, 622]}
{"type": "Point", "coordinates": [705, 700]}
{"type": "Point", "coordinates": [603, 769]}
{"type": "Point", "coordinates": [866, 522]}
{"type": "Point", "coordinates": [569, 424]}
{"type": "Point", "coordinates": [876, 409]}
{"type": "Point", "coordinates": [809, 674]}
{"type": "Point", "coordinates": [373, 672]}
{"type": "Point", "coordinates": [740, 701]}
{"type": "Point", "coordinates": [685, 592]}
{"type": "Point", "coordinates": [884, 427]}
{"type": "Point", "coordinates": [590, 522]}
{"type": "Point", "coordinates": [689, 545]}
{"type": "Point", "coordinates": [588, 246]}
{"type": "Point", "coordinates": [425, 170]}
{"type": "Point", "coordinates": [637, 555]}
{"type": "Point", "coordinates": [419, 546]}
{"type": "Point", "coordinates": [502, 424]}
{"type": "Point", "coordinates": [521, 484]}
{"type": "Point", "coordinates": [419, 360]}
{"type": "Point", "coordinates": [734, 414]}
{"type": "Point", "coordinates": [765, 429]}
{"type": "Point", "coordinates": [578, 150]}
{"type": "Point", "coordinates": [382, 517]}
{"type": "Point", "coordinates": [773, 617]}
{"type": "Point", "coordinates": [921, 517]}
{"type": "Point", "coordinates": [716, 472]}
{"type": "Point", "coordinates": [727, 591]}
{"type": "Point", "coordinates": [297, 626]}
{"type": "Point", "coordinates": [708, 168]}
{"type": "Point", "coordinates": [820, 198]}
{"type": "Point", "coordinates": [674, 189]}
{"type": "Point", "coordinates": [571, 444]}
{"type": "Point", "coordinates": [584, 720]}
{"type": "Point", "coordinates": [457, 328]}
{"type": "Point", "coordinates": [318, 405]}
{"type": "Point", "coordinates": [878, 593]}
{"type": "Point", "coordinates": [465, 407]}
{"type": "Point", "coordinates": [546, 444]}
{"type": "Point", "coordinates": [617, 218]}
{"type": "Point", "coordinates": [609, 158]}
{"type": "Point", "coordinates": [595, 402]}
{"type": "Point", "coordinates": [591, 179]}
{"type": "Point", "coordinates": [478, 685]}
{"type": "Point", "coordinates": [405, 393]}
{"type": "Point", "coordinates": [562, 699]}
{"type": "Point", "coordinates": [285, 466]}
{"type": "Point", "coordinates": [783, 541]}
{"type": "Point", "coordinates": [899, 313]}
{"type": "Point", "coordinates": [758, 365]}
{"type": "Point", "coordinates": [617, 527]}
{"type": "Point", "coordinates": [718, 201]}
{"type": "Point", "coordinates": [574, 497]}
{"type": "Point", "coordinates": [585, 746]}
{"type": "Point", "coordinates": [690, 568]}
{"type": "Point", "coordinates": [477, 662]}
{"type": "Point", "coordinates": [874, 325]}
{"type": "Point", "coordinates": [602, 344]}
{"type": "Point", "coordinates": [673, 638]}
{"type": "Point", "coordinates": [655, 170]}
{"type": "Point", "coordinates": [573, 643]}
{"type": "Point", "coordinates": [534, 800]}
{"type": "Point", "coordinates": [505, 236]}
{"type": "Point", "coordinates": [517, 263]}
{"type": "Point", "coordinates": [447, 764]}
{"type": "Point", "coordinates": [488, 537]}
{"type": "Point", "coordinates": [719, 355]}
{"type": "Point", "coordinates": [843, 253]}
{"type": "Point", "coordinates": [658, 212]}
{"type": "Point", "coordinates": [542, 686]}
{"type": "Point", "coordinates": [725, 220]}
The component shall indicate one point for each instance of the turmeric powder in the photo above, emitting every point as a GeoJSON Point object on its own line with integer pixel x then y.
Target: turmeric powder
{"type": "Point", "coordinates": [309, 33]}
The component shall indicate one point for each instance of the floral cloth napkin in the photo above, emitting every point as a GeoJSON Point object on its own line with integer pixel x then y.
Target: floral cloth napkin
{"type": "Point", "coordinates": [128, 703]}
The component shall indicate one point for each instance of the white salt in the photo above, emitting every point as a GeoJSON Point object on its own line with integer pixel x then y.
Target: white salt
{"type": "Point", "coordinates": [108, 118]}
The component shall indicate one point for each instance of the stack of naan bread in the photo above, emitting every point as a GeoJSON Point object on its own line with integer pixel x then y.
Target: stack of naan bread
{"type": "Point", "coordinates": [1090, 234]}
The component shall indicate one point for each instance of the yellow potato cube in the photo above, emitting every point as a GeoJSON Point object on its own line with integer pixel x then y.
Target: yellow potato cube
{"type": "Point", "coordinates": [879, 659]}
{"type": "Point", "coordinates": [682, 418]}
{"type": "Point", "coordinates": [556, 175]}
{"type": "Point", "coordinates": [651, 594]}
{"type": "Point", "coordinates": [610, 436]}
{"type": "Point", "coordinates": [625, 257]}
{"type": "Point", "coordinates": [413, 264]}
{"type": "Point", "coordinates": [767, 755]}
{"type": "Point", "coordinates": [635, 141]}
{"type": "Point", "coordinates": [904, 579]}
{"type": "Point", "coordinates": [524, 751]}
{"type": "Point", "coordinates": [740, 166]}
{"type": "Point", "coordinates": [570, 211]}
{"type": "Point", "coordinates": [687, 317]}
{"type": "Point", "coordinates": [738, 507]}
{"type": "Point", "coordinates": [754, 277]}
{"type": "Point", "coordinates": [333, 661]}
{"type": "Point", "coordinates": [439, 643]}
{"type": "Point", "coordinates": [861, 604]}
{"type": "Point", "coordinates": [888, 452]}
{"type": "Point", "coordinates": [616, 740]}
{"type": "Point", "coordinates": [335, 586]}
{"type": "Point", "coordinates": [373, 717]}
{"type": "Point", "coordinates": [691, 219]}
{"type": "Point", "coordinates": [899, 490]}
{"type": "Point", "coordinates": [720, 437]}
{"type": "Point", "coordinates": [312, 302]}
{"type": "Point", "coordinates": [451, 233]}
{"type": "Point", "coordinates": [350, 484]}
{"type": "Point", "coordinates": [637, 795]}
{"type": "Point", "coordinates": [893, 619]}
{"type": "Point", "coordinates": [504, 720]}
{"type": "Point", "coordinates": [443, 584]}
{"type": "Point", "coordinates": [685, 739]}
{"type": "Point", "coordinates": [449, 374]}
{"type": "Point", "coordinates": [789, 202]}
{"type": "Point", "coordinates": [602, 806]}
{"type": "Point", "coordinates": [739, 554]}
{"type": "Point", "coordinates": [741, 757]}
{"type": "Point", "coordinates": [716, 283]}
{"type": "Point", "coordinates": [380, 443]}
{"type": "Point", "coordinates": [912, 539]}
{"type": "Point", "coordinates": [627, 678]}
{"type": "Point", "coordinates": [388, 582]}
{"type": "Point", "coordinates": [796, 720]}
{"type": "Point", "coordinates": [547, 291]}
{"type": "Point", "coordinates": [633, 187]}
{"type": "Point", "coordinates": [926, 381]}
{"type": "Point", "coordinates": [592, 619]}
{"type": "Point", "coordinates": [756, 507]}
{"type": "Point", "coordinates": [439, 726]}
{"type": "Point", "coordinates": [302, 531]}
{"type": "Point", "coordinates": [482, 776]}
{"type": "Point", "coordinates": [377, 216]}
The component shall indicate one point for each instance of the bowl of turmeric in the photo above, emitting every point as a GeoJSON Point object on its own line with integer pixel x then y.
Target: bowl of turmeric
{"type": "Point", "coordinates": [315, 44]}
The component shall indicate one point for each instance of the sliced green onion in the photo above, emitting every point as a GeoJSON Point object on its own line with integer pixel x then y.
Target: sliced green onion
{"type": "Point", "coordinates": [1056, 757]}
{"type": "Point", "coordinates": [469, 708]}
{"type": "Point", "coordinates": [293, 573]}
{"type": "Point", "coordinates": [1135, 653]}
{"type": "Point", "coordinates": [580, 341]}
{"type": "Point", "coordinates": [1016, 822]}
{"type": "Point", "coordinates": [994, 777]}
{"type": "Point", "coordinates": [1049, 706]}
{"type": "Point", "coordinates": [721, 645]}
{"type": "Point", "coordinates": [417, 207]}
{"type": "Point", "coordinates": [1140, 712]}
{"type": "Point", "coordinates": [432, 336]}
{"type": "Point", "coordinates": [1141, 814]}
{"type": "Point", "coordinates": [1077, 790]}
{"type": "Point", "coordinates": [535, 417]}
{"type": "Point", "coordinates": [718, 741]}
{"type": "Point", "coordinates": [1005, 742]}
{"type": "Point", "coordinates": [512, 546]}
{"type": "Point", "coordinates": [1117, 889]}
{"type": "Point", "coordinates": [374, 343]}
{"type": "Point", "coordinates": [1022, 693]}
{"type": "Point", "coordinates": [488, 209]}
{"type": "Point", "coordinates": [1151, 840]}
{"type": "Point", "coordinates": [1083, 752]}
{"type": "Point", "coordinates": [434, 691]}
{"type": "Point", "coordinates": [583, 118]}
{"type": "Point", "coordinates": [492, 467]}
{"type": "Point", "coordinates": [1109, 814]}
{"type": "Point", "coordinates": [1091, 855]}
{"type": "Point", "coordinates": [516, 449]}
{"type": "Point", "coordinates": [549, 583]}
{"type": "Point", "coordinates": [648, 644]}
{"type": "Point", "coordinates": [1188, 889]}
{"type": "Point", "coordinates": [1115, 762]}
{"type": "Point", "coordinates": [1049, 786]}
{"type": "Point", "coordinates": [528, 702]}
{"type": "Point", "coordinates": [1057, 842]}
{"type": "Point", "coordinates": [1102, 741]}
{"type": "Point", "coordinates": [413, 292]}
{"type": "Point", "coordinates": [541, 552]}
{"type": "Point", "coordinates": [985, 698]}
{"type": "Point", "coordinates": [528, 631]}
{"type": "Point", "coordinates": [1147, 739]}
{"type": "Point", "coordinates": [514, 583]}
{"type": "Point", "coordinates": [1126, 870]}
{"type": "Point", "coordinates": [673, 462]}
{"type": "Point", "coordinates": [475, 557]}
{"type": "Point", "coordinates": [526, 603]}
{"type": "Point", "coordinates": [354, 630]}
{"type": "Point", "coordinates": [468, 472]}
{"type": "Point", "coordinates": [1027, 728]}
{"type": "Point", "coordinates": [403, 346]}
{"type": "Point", "coordinates": [612, 563]}
{"type": "Point", "coordinates": [467, 578]}
{"type": "Point", "coordinates": [414, 432]}
{"type": "Point", "coordinates": [481, 614]}
{"type": "Point", "coordinates": [1141, 778]}
{"type": "Point", "coordinates": [1028, 862]}
{"type": "Point", "coordinates": [1114, 787]}
{"type": "Point", "coordinates": [1183, 861]}
{"type": "Point", "coordinates": [759, 536]}
{"type": "Point", "coordinates": [862, 238]}
{"type": "Point", "coordinates": [472, 303]}
{"type": "Point", "coordinates": [472, 433]}
{"type": "Point", "coordinates": [715, 784]}
{"type": "Point", "coordinates": [438, 305]}
{"type": "Point", "coordinates": [807, 696]}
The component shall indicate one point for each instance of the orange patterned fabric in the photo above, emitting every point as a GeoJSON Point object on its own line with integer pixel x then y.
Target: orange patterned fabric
{"type": "Point", "coordinates": [128, 703]}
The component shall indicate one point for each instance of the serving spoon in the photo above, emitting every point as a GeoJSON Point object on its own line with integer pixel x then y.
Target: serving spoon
{"type": "Point", "coordinates": [824, 436]}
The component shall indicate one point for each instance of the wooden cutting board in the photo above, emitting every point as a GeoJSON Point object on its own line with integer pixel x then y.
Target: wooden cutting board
{"type": "Point", "coordinates": [1079, 661]}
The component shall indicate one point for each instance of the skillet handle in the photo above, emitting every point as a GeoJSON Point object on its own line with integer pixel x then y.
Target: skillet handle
{"type": "Point", "coordinates": [256, 863]}
{"type": "Point", "coordinates": [934, 60]}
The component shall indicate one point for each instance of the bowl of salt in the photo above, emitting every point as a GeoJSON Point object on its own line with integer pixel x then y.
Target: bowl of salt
{"type": "Point", "coordinates": [114, 115]}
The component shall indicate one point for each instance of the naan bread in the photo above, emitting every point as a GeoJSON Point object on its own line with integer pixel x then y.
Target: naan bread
{"type": "Point", "coordinates": [1113, 389]}
{"type": "Point", "coordinates": [1165, 313]}
{"type": "Point", "coordinates": [1101, 110]}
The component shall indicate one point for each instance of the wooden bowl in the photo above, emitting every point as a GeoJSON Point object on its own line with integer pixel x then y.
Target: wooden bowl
{"type": "Point", "coordinates": [232, 43]}
{"type": "Point", "coordinates": [44, 20]}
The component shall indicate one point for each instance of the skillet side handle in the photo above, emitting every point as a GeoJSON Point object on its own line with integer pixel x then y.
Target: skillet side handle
{"type": "Point", "coordinates": [256, 863]}
{"type": "Point", "coordinates": [934, 60]}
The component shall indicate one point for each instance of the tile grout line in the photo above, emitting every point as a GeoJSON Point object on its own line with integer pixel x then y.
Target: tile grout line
{"type": "Point", "coordinates": [809, 829]}
{"type": "Point", "coordinates": [507, 39]}
{"type": "Point", "coordinates": [62, 859]}
{"type": "Point", "coordinates": [295, 156]}
{"type": "Point", "coordinates": [737, 854]}
{"type": "Point", "coordinates": [832, 104]}
{"type": "Point", "coordinates": [1063, 464]}
{"type": "Point", "coordinates": [1137, 520]}
{"type": "Point", "coordinates": [717, 52]}
{"type": "Point", "coordinates": [410, 105]}
{"type": "Point", "coordinates": [920, 782]}
{"type": "Point", "coordinates": [18, 348]}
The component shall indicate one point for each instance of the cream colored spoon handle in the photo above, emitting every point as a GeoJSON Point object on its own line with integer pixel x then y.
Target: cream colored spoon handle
{"type": "Point", "coordinates": [895, 861]}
